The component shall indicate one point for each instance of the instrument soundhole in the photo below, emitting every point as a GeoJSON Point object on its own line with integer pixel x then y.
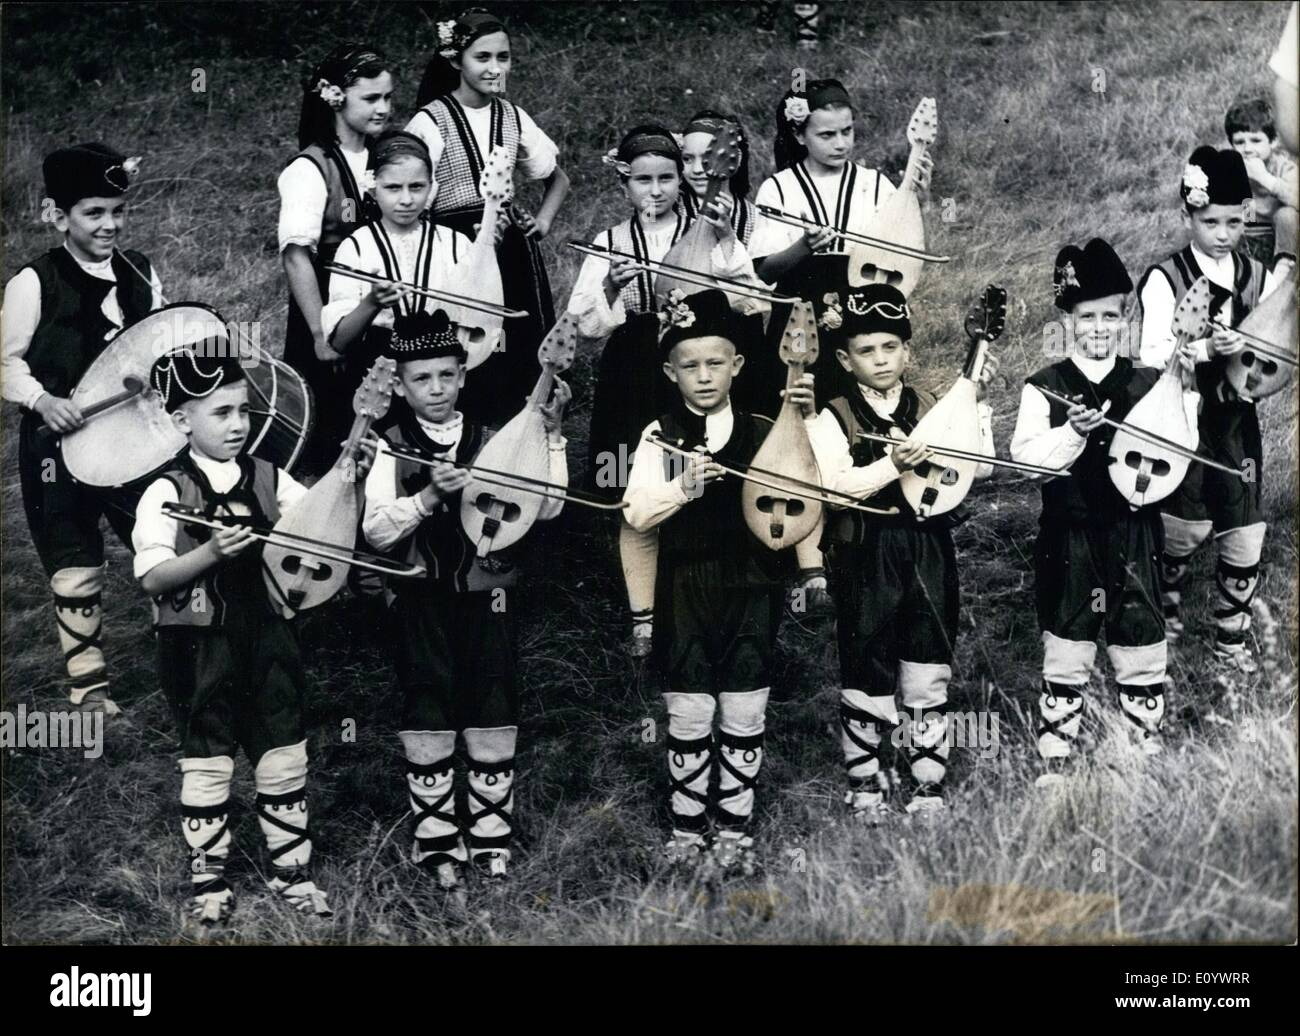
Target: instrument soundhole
{"type": "Point", "coordinates": [793, 505]}
{"type": "Point", "coordinates": [1156, 467]}
{"type": "Point", "coordinates": [950, 477]}
{"type": "Point", "coordinates": [486, 503]}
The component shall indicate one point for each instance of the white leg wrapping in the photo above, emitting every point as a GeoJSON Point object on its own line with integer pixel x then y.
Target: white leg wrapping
{"type": "Point", "coordinates": [1061, 708]}
{"type": "Point", "coordinates": [740, 740]}
{"type": "Point", "coordinates": [80, 615]}
{"type": "Point", "coordinates": [1067, 661]}
{"type": "Point", "coordinates": [924, 690]}
{"type": "Point", "coordinates": [1181, 540]}
{"type": "Point", "coordinates": [690, 758]}
{"type": "Point", "coordinates": [863, 721]}
{"type": "Point", "coordinates": [205, 810]}
{"type": "Point", "coordinates": [1237, 576]}
{"type": "Point", "coordinates": [281, 778]}
{"type": "Point", "coordinates": [430, 783]}
{"type": "Point", "coordinates": [491, 781]}
{"type": "Point", "coordinates": [1141, 666]}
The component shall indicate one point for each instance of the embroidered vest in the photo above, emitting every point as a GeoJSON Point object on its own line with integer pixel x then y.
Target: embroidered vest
{"type": "Point", "coordinates": [638, 294]}
{"type": "Point", "coordinates": [72, 330]}
{"type": "Point", "coordinates": [856, 415]}
{"type": "Point", "coordinates": [344, 199]}
{"type": "Point", "coordinates": [235, 583]}
{"type": "Point", "coordinates": [439, 542]}
{"type": "Point", "coordinates": [461, 162]}
{"type": "Point", "coordinates": [1182, 271]}
{"type": "Point", "coordinates": [1088, 496]}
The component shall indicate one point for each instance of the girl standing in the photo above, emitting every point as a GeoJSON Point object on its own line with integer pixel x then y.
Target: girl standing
{"type": "Point", "coordinates": [346, 103]}
{"type": "Point", "coordinates": [463, 115]}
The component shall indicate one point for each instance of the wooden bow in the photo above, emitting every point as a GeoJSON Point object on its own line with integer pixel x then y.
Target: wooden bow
{"type": "Point", "coordinates": [464, 301]}
{"type": "Point", "coordinates": [781, 216]}
{"type": "Point", "coordinates": [979, 458]}
{"type": "Point", "coordinates": [679, 273]}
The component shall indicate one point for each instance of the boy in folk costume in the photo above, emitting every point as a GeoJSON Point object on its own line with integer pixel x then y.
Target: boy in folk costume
{"type": "Point", "coordinates": [718, 589]}
{"type": "Point", "coordinates": [59, 312]}
{"type": "Point", "coordinates": [456, 632]}
{"type": "Point", "coordinates": [1274, 180]}
{"type": "Point", "coordinates": [893, 579]}
{"type": "Point", "coordinates": [229, 665]}
{"type": "Point", "coordinates": [1089, 538]}
{"type": "Point", "coordinates": [1214, 187]}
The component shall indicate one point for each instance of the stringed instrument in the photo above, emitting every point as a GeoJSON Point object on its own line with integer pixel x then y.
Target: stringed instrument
{"type": "Point", "coordinates": [1143, 471]}
{"type": "Point", "coordinates": [933, 488]}
{"type": "Point", "coordinates": [899, 219]}
{"type": "Point", "coordinates": [328, 514]}
{"type": "Point", "coordinates": [495, 515]}
{"type": "Point", "coordinates": [781, 520]}
{"type": "Point", "coordinates": [478, 274]}
{"type": "Point", "coordinates": [1268, 361]}
{"type": "Point", "coordinates": [694, 248]}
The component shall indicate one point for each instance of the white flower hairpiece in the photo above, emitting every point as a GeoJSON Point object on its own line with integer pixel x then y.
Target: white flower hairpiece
{"type": "Point", "coordinates": [676, 313]}
{"type": "Point", "coordinates": [447, 32]}
{"type": "Point", "coordinates": [796, 110]}
{"type": "Point", "coordinates": [330, 94]}
{"type": "Point", "coordinates": [132, 166]}
{"type": "Point", "coordinates": [368, 180]}
{"type": "Point", "coordinates": [679, 140]}
{"type": "Point", "coordinates": [1197, 183]}
{"type": "Point", "coordinates": [833, 318]}
{"type": "Point", "coordinates": [1065, 278]}
{"type": "Point", "coordinates": [610, 158]}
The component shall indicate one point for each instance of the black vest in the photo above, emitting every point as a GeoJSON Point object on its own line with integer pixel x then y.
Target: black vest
{"type": "Point", "coordinates": [72, 330]}
{"type": "Point", "coordinates": [1088, 496]}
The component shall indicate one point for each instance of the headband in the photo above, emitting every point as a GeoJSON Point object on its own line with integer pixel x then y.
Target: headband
{"type": "Point", "coordinates": [395, 144]}
{"type": "Point", "coordinates": [820, 93]}
{"type": "Point", "coordinates": [650, 142]}
{"type": "Point", "coordinates": [456, 34]}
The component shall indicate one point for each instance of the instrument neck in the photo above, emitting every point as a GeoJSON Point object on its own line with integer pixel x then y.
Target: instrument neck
{"type": "Point", "coordinates": [542, 390]}
{"type": "Point", "coordinates": [912, 173]}
{"type": "Point", "coordinates": [974, 366]}
{"type": "Point", "coordinates": [794, 371]}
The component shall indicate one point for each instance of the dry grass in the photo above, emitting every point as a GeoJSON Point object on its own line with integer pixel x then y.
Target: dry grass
{"type": "Point", "coordinates": [1197, 846]}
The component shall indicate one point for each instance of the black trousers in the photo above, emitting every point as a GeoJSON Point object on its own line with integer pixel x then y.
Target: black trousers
{"type": "Point", "coordinates": [1229, 434]}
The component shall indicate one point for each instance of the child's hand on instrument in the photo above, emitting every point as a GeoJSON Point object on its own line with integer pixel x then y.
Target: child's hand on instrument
{"type": "Point", "coordinates": [817, 239]}
{"type": "Point", "coordinates": [387, 293]}
{"type": "Point", "coordinates": [530, 224]}
{"type": "Point", "coordinates": [553, 412]}
{"type": "Point", "coordinates": [1187, 364]}
{"type": "Point", "coordinates": [924, 170]}
{"type": "Point", "coordinates": [718, 216]}
{"type": "Point", "coordinates": [1225, 343]}
{"type": "Point", "coordinates": [61, 414]}
{"type": "Point", "coordinates": [365, 459]}
{"type": "Point", "coordinates": [802, 395]}
{"type": "Point", "coordinates": [700, 471]}
{"type": "Point", "coordinates": [230, 542]}
{"type": "Point", "coordinates": [909, 454]}
{"type": "Point", "coordinates": [987, 374]}
{"type": "Point", "coordinates": [1083, 418]}
{"type": "Point", "coordinates": [445, 479]}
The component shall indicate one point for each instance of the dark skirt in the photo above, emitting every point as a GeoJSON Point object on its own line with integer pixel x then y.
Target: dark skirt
{"type": "Point", "coordinates": [496, 389]}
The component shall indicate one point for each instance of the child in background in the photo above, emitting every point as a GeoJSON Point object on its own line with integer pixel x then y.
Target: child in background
{"type": "Point", "coordinates": [1089, 538]}
{"type": "Point", "coordinates": [464, 115]}
{"type": "Point", "coordinates": [1274, 180]}
{"type": "Point", "coordinates": [60, 310]}
{"type": "Point", "coordinates": [1214, 189]}
{"type": "Point", "coordinates": [346, 103]}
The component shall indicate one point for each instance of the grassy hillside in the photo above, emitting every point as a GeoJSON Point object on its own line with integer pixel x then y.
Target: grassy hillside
{"type": "Point", "coordinates": [1197, 845]}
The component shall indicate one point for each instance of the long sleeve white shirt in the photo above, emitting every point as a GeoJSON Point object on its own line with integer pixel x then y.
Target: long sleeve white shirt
{"type": "Point", "coordinates": [652, 497]}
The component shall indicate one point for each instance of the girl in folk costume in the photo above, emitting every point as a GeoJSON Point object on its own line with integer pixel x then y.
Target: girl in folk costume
{"type": "Point", "coordinates": [463, 116]}
{"type": "Point", "coordinates": [816, 179]}
{"type": "Point", "coordinates": [614, 299]}
{"type": "Point", "coordinates": [346, 103]}
{"type": "Point", "coordinates": [398, 243]}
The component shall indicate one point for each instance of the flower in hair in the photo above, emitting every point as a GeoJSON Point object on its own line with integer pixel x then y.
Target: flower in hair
{"type": "Point", "coordinates": [833, 318]}
{"type": "Point", "coordinates": [446, 32]}
{"type": "Point", "coordinates": [796, 110]}
{"type": "Point", "coordinates": [676, 313]}
{"type": "Point", "coordinates": [368, 180]}
{"type": "Point", "coordinates": [1066, 278]}
{"type": "Point", "coordinates": [330, 94]}
{"type": "Point", "coordinates": [610, 158]}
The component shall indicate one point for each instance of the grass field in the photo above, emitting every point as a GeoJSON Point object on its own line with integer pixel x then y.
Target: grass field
{"type": "Point", "coordinates": [1198, 845]}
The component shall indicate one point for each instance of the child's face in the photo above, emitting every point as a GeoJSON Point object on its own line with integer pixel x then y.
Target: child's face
{"type": "Point", "coordinates": [694, 148]}
{"type": "Point", "coordinates": [485, 65]}
{"type": "Point", "coordinates": [828, 136]}
{"type": "Point", "coordinates": [1097, 324]}
{"type": "Point", "coordinates": [216, 425]}
{"type": "Point", "coordinates": [652, 185]}
{"type": "Point", "coordinates": [93, 225]}
{"type": "Point", "coordinates": [702, 369]}
{"type": "Point", "coordinates": [368, 104]}
{"type": "Point", "coordinates": [1252, 144]}
{"type": "Point", "coordinates": [402, 189]}
{"type": "Point", "coordinates": [431, 386]}
{"type": "Point", "coordinates": [876, 360]}
{"type": "Point", "coordinates": [1215, 229]}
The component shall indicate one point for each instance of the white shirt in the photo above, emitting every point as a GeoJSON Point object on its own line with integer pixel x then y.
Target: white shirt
{"type": "Point", "coordinates": [303, 196]}
{"type": "Point", "coordinates": [535, 159]}
{"type": "Point", "coordinates": [597, 318]}
{"type": "Point", "coordinates": [1158, 341]}
{"type": "Point", "coordinates": [390, 518]}
{"type": "Point", "coordinates": [783, 191]}
{"type": "Point", "coordinates": [1285, 58]}
{"type": "Point", "coordinates": [154, 535]}
{"type": "Point", "coordinates": [1035, 441]}
{"type": "Point", "coordinates": [834, 461]}
{"type": "Point", "coordinates": [359, 250]}
{"type": "Point", "coordinates": [22, 315]}
{"type": "Point", "coordinates": [651, 496]}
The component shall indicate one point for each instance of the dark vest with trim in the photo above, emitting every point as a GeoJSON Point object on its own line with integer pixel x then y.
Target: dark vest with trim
{"type": "Point", "coordinates": [1182, 271]}
{"type": "Point", "coordinates": [627, 237]}
{"type": "Point", "coordinates": [439, 542]}
{"type": "Point", "coordinates": [711, 526]}
{"type": "Point", "coordinates": [236, 583]}
{"type": "Point", "coordinates": [461, 162]}
{"type": "Point", "coordinates": [72, 329]}
{"type": "Point", "coordinates": [856, 415]}
{"type": "Point", "coordinates": [1088, 496]}
{"type": "Point", "coordinates": [343, 208]}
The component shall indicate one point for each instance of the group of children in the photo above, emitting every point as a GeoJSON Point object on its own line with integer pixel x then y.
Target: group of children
{"type": "Point", "coordinates": [698, 371]}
